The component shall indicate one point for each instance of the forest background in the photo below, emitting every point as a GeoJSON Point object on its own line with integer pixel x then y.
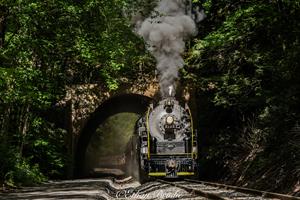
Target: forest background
{"type": "Point", "coordinates": [243, 66]}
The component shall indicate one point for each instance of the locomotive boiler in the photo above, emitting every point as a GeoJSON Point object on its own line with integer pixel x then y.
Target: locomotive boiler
{"type": "Point", "coordinates": [165, 144]}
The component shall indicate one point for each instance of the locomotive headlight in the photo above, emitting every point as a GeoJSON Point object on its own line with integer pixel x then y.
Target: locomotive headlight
{"type": "Point", "coordinates": [170, 120]}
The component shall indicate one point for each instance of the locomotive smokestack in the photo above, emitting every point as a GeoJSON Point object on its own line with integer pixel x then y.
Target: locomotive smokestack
{"type": "Point", "coordinates": [165, 32]}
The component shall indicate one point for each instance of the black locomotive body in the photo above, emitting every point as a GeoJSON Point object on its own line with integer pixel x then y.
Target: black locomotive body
{"type": "Point", "coordinates": [165, 143]}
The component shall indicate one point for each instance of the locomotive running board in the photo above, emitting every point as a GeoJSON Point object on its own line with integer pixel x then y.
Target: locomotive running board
{"type": "Point", "coordinates": [164, 173]}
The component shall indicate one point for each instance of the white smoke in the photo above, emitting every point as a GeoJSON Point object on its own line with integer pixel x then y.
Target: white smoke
{"type": "Point", "coordinates": [165, 32]}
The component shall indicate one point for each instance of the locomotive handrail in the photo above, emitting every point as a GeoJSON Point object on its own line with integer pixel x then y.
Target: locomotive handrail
{"type": "Point", "coordinates": [148, 131]}
{"type": "Point", "coordinates": [192, 128]}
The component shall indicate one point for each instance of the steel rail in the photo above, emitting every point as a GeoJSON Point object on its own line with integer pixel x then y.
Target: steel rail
{"type": "Point", "coordinates": [247, 190]}
{"type": "Point", "coordinates": [195, 191]}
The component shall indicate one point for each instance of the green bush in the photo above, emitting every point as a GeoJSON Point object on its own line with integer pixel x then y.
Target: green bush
{"type": "Point", "coordinates": [25, 174]}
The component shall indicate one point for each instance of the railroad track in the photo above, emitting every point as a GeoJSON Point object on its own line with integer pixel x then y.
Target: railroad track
{"type": "Point", "coordinates": [189, 189]}
{"type": "Point", "coordinates": [128, 188]}
{"type": "Point", "coordinates": [150, 190]}
{"type": "Point", "coordinates": [225, 192]}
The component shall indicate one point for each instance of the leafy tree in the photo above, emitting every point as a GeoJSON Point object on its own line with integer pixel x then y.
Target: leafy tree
{"type": "Point", "coordinates": [244, 65]}
{"type": "Point", "coordinates": [44, 47]}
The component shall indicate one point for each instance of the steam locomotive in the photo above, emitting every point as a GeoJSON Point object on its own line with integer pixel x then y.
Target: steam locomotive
{"type": "Point", "coordinates": [165, 144]}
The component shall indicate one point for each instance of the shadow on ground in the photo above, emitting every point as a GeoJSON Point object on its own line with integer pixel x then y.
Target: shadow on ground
{"type": "Point", "coordinates": [74, 189]}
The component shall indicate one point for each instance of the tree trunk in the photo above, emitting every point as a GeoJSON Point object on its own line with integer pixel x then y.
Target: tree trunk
{"type": "Point", "coordinates": [3, 16]}
{"type": "Point", "coordinates": [24, 127]}
{"type": "Point", "coordinates": [5, 121]}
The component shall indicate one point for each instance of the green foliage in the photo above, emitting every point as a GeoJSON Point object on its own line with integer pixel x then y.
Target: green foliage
{"type": "Point", "coordinates": [16, 170]}
{"type": "Point", "coordinates": [24, 85]}
{"type": "Point", "coordinates": [7, 159]}
{"type": "Point", "coordinates": [46, 145]}
{"type": "Point", "coordinates": [24, 173]}
{"type": "Point", "coordinates": [49, 45]}
{"type": "Point", "coordinates": [245, 68]}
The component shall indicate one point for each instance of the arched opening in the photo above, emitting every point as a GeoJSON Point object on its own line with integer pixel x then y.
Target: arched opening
{"type": "Point", "coordinates": [107, 111]}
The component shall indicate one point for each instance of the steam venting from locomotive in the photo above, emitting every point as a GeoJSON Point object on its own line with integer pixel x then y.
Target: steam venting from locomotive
{"type": "Point", "coordinates": [165, 33]}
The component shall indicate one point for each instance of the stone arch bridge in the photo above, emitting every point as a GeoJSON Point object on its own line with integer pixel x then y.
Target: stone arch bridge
{"type": "Point", "coordinates": [88, 105]}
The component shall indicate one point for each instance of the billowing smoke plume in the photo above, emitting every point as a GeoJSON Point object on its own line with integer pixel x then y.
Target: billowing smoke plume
{"type": "Point", "coordinates": [165, 32]}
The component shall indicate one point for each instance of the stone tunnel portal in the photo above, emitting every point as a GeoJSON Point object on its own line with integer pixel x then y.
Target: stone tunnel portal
{"type": "Point", "coordinates": [127, 105]}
